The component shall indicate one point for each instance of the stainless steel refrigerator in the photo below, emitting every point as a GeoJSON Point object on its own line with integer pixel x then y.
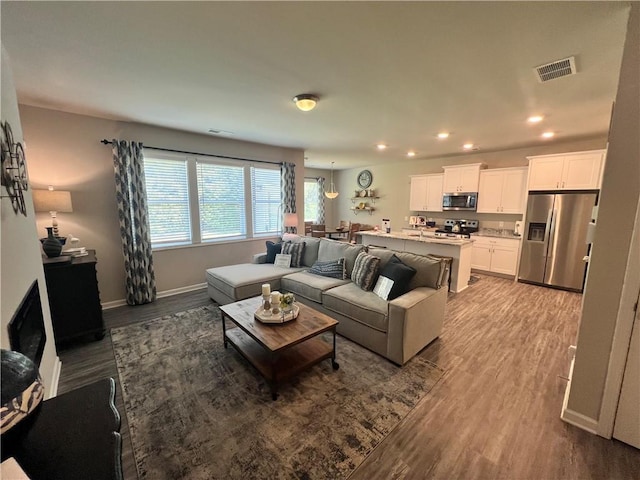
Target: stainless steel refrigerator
{"type": "Point", "coordinates": [554, 239]}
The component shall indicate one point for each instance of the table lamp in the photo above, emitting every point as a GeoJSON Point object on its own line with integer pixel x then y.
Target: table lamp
{"type": "Point", "coordinates": [52, 201]}
{"type": "Point", "coordinates": [291, 220]}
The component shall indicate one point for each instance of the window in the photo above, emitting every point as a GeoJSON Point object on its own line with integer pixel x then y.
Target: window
{"type": "Point", "coordinates": [312, 200]}
{"type": "Point", "coordinates": [198, 200]}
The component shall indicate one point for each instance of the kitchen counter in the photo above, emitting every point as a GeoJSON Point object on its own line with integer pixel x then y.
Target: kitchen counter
{"type": "Point", "coordinates": [427, 237]}
{"type": "Point", "coordinates": [458, 249]}
{"type": "Point", "coordinates": [495, 232]}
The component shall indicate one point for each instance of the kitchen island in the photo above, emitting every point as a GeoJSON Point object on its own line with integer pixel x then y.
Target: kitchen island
{"type": "Point", "coordinates": [458, 249]}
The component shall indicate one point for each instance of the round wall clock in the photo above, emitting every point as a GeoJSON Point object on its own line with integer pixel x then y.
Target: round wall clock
{"type": "Point", "coordinates": [365, 178]}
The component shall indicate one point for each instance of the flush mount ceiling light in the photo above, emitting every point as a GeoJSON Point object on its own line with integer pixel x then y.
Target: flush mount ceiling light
{"type": "Point", "coordinates": [535, 119]}
{"type": "Point", "coordinates": [443, 135]}
{"type": "Point", "coordinates": [411, 153]}
{"type": "Point", "coordinates": [381, 146]}
{"type": "Point", "coordinates": [468, 146]}
{"type": "Point", "coordinates": [548, 135]}
{"type": "Point", "coordinates": [332, 188]}
{"type": "Point", "coordinates": [305, 101]}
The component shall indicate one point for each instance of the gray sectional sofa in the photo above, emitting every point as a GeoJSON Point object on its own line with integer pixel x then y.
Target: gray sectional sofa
{"type": "Point", "coordinates": [396, 329]}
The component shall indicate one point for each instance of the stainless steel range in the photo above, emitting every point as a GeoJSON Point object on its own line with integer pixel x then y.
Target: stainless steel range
{"type": "Point", "coordinates": [458, 228]}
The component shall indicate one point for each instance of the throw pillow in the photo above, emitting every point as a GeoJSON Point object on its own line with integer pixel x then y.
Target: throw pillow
{"type": "Point", "coordinates": [272, 250]}
{"type": "Point", "coordinates": [295, 250]}
{"type": "Point", "coordinates": [365, 271]}
{"type": "Point", "coordinates": [333, 269]}
{"type": "Point", "coordinates": [394, 279]}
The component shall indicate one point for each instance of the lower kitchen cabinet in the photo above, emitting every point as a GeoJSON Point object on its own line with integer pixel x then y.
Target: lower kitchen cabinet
{"type": "Point", "coordinates": [74, 298]}
{"type": "Point", "coordinates": [491, 254]}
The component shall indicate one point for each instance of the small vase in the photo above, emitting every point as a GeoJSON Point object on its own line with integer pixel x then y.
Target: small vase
{"type": "Point", "coordinates": [51, 246]}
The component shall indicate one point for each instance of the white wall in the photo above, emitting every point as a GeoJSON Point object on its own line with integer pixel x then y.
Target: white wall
{"type": "Point", "coordinates": [329, 204]}
{"type": "Point", "coordinates": [20, 258]}
{"type": "Point", "coordinates": [65, 152]}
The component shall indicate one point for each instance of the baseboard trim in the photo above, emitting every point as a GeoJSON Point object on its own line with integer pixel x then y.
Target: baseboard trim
{"type": "Point", "coordinates": [572, 417]}
{"type": "Point", "coordinates": [163, 294]}
{"type": "Point", "coordinates": [55, 378]}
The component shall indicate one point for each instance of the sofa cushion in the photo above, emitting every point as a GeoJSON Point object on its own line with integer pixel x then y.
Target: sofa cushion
{"type": "Point", "coordinates": [295, 250]}
{"type": "Point", "coordinates": [272, 250]}
{"type": "Point", "coordinates": [427, 269]}
{"type": "Point", "coordinates": [394, 279]}
{"type": "Point", "coordinates": [333, 269]}
{"type": "Point", "coordinates": [365, 271]}
{"type": "Point", "coordinates": [332, 250]}
{"type": "Point", "coordinates": [245, 280]}
{"type": "Point", "coordinates": [363, 307]}
{"type": "Point", "coordinates": [310, 252]}
{"type": "Point", "coordinates": [308, 285]}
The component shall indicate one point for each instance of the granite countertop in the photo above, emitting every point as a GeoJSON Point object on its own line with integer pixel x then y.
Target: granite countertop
{"type": "Point", "coordinates": [496, 232]}
{"type": "Point", "coordinates": [416, 237]}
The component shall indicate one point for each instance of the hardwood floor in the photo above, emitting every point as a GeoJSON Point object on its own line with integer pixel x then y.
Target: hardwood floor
{"type": "Point", "coordinates": [496, 412]}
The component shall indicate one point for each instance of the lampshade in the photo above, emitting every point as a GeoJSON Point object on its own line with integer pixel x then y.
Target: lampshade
{"type": "Point", "coordinates": [52, 201]}
{"type": "Point", "coordinates": [290, 219]}
{"type": "Point", "coordinates": [305, 101]}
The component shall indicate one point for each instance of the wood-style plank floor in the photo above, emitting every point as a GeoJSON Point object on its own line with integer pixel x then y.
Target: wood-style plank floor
{"type": "Point", "coordinates": [494, 415]}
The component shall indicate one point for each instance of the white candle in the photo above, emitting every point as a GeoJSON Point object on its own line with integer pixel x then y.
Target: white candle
{"type": "Point", "coordinates": [275, 298]}
{"type": "Point", "coordinates": [266, 289]}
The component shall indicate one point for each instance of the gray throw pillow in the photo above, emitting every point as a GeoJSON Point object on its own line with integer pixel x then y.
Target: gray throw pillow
{"type": "Point", "coordinates": [295, 250]}
{"type": "Point", "coordinates": [365, 271]}
{"type": "Point", "coordinates": [333, 269]}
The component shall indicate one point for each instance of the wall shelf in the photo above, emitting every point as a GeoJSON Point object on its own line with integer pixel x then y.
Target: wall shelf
{"type": "Point", "coordinates": [357, 210]}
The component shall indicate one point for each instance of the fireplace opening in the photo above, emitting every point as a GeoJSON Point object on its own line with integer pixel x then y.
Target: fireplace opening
{"type": "Point", "coordinates": [26, 329]}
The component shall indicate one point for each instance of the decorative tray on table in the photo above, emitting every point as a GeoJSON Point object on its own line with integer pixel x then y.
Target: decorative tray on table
{"type": "Point", "coordinates": [266, 316]}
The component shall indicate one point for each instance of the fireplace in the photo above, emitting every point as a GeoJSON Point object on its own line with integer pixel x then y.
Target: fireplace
{"type": "Point", "coordinates": [26, 329]}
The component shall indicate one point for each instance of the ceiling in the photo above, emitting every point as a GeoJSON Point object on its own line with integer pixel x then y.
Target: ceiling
{"type": "Point", "coordinates": [391, 72]}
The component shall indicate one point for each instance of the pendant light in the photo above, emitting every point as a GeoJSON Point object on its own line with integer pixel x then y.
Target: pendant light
{"type": "Point", "coordinates": [332, 188]}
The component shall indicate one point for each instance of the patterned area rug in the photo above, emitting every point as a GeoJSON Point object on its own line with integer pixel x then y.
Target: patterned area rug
{"type": "Point", "coordinates": [198, 411]}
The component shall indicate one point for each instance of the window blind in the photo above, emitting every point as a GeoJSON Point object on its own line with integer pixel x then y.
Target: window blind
{"type": "Point", "coordinates": [311, 200]}
{"type": "Point", "coordinates": [265, 194]}
{"type": "Point", "coordinates": [168, 201]}
{"type": "Point", "coordinates": [221, 200]}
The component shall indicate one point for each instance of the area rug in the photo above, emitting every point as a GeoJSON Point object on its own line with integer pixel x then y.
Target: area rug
{"type": "Point", "coordinates": [198, 411]}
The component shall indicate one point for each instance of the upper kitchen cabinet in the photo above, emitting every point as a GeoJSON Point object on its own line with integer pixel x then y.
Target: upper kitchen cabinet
{"type": "Point", "coordinates": [566, 171]}
{"type": "Point", "coordinates": [461, 178]}
{"type": "Point", "coordinates": [426, 193]}
{"type": "Point", "coordinates": [502, 190]}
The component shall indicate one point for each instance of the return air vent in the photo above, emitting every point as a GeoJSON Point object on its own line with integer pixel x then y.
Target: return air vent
{"type": "Point", "coordinates": [557, 69]}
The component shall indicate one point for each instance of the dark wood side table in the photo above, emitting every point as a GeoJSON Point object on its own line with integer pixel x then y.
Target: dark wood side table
{"type": "Point", "coordinates": [73, 436]}
{"type": "Point", "coordinates": [74, 298]}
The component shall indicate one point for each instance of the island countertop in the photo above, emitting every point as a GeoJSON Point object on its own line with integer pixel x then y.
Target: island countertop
{"type": "Point", "coordinates": [426, 238]}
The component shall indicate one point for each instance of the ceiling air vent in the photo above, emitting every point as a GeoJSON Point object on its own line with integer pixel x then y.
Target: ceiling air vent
{"type": "Point", "coordinates": [557, 69]}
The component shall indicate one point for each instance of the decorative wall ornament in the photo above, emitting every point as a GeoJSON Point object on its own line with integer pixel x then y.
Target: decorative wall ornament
{"type": "Point", "coordinates": [13, 173]}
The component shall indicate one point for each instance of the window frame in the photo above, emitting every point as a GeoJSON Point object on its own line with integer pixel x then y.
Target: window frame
{"type": "Point", "coordinates": [193, 187]}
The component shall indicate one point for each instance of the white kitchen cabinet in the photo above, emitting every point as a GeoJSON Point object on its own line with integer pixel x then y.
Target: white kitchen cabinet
{"type": "Point", "coordinates": [426, 193]}
{"type": "Point", "coordinates": [566, 171]}
{"type": "Point", "coordinates": [461, 178]}
{"type": "Point", "coordinates": [491, 254]}
{"type": "Point", "coordinates": [502, 190]}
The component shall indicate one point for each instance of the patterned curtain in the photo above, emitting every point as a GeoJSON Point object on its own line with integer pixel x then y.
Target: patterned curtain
{"type": "Point", "coordinates": [131, 195]}
{"type": "Point", "coordinates": [321, 208]}
{"type": "Point", "coordinates": [288, 199]}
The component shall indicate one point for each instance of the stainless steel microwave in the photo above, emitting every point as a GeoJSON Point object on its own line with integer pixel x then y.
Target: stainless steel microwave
{"type": "Point", "coordinates": [460, 201]}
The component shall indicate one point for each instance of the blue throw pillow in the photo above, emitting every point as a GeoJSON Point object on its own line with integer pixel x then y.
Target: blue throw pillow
{"type": "Point", "coordinates": [394, 279]}
{"type": "Point", "coordinates": [333, 269]}
{"type": "Point", "coordinates": [272, 250]}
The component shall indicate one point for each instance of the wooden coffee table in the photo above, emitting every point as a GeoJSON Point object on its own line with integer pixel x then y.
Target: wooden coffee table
{"type": "Point", "coordinates": [279, 351]}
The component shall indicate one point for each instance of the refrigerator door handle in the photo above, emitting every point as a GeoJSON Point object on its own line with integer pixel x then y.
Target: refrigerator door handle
{"type": "Point", "coordinates": [551, 246]}
{"type": "Point", "coordinates": [547, 231]}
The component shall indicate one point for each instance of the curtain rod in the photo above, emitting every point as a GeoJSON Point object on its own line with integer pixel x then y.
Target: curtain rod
{"type": "Point", "coordinates": [108, 142]}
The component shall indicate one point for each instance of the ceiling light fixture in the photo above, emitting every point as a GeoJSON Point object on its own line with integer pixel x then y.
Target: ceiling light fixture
{"type": "Point", "coordinates": [305, 101]}
{"type": "Point", "coordinates": [548, 135]}
{"type": "Point", "coordinates": [411, 154]}
{"type": "Point", "coordinates": [535, 119]}
{"type": "Point", "coordinates": [332, 188]}
{"type": "Point", "coordinates": [381, 146]}
{"type": "Point", "coordinates": [443, 135]}
{"type": "Point", "coordinates": [468, 146]}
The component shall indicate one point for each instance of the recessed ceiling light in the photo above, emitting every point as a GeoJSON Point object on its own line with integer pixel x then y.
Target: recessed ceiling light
{"type": "Point", "coordinates": [411, 153]}
{"type": "Point", "coordinates": [468, 146]}
{"type": "Point", "coordinates": [443, 135]}
{"type": "Point", "coordinates": [381, 146]}
{"type": "Point", "coordinates": [547, 134]}
{"type": "Point", "coordinates": [535, 119]}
